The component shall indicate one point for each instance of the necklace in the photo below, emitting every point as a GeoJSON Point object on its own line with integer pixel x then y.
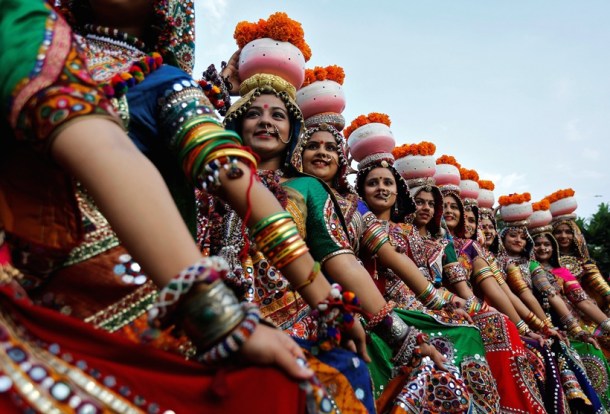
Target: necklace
{"type": "Point", "coordinates": [117, 60]}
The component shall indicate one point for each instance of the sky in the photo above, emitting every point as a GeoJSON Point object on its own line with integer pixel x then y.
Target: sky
{"type": "Point", "coordinates": [518, 90]}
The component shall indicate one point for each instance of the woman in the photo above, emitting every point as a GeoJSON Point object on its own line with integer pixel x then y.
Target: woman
{"type": "Point", "coordinates": [269, 121]}
{"type": "Point", "coordinates": [525, 275]}
{"type": "Point", "coordinates": [472, 272]}
{"type": "Point", "coordinates": [576, 303]}
{"type": "Point", "coordinates": [574, 255]}
{"type": "Point", "coordinates": [321, 153]}
{"type": "Point", "coordinates": [55, 363]}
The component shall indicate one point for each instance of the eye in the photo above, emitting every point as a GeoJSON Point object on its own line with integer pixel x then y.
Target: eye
{"type": "Point", "coordinates": [332, 148]}
{"type": "Point", "coordinates": [252, 113]}
{"type": "Point", "coordinates": [312, 146]}
{"type": "Point", "coordinates": [279, 114]}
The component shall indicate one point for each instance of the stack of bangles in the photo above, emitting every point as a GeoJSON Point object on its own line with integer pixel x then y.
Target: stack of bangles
{"type": "Point", "coordinates": [335, 314]}
{"type": "Point", "coordinates": [279, 240]}
{"type": "Point", "coordinates": [602, 328]}
{"type": "Point", "coordinates": [542, 283]}
{"type": "Point", "coordinates": [537, 324]}
{"type": "Point", "coordinates": [475, 305]}
{"type": "Point", "coordinates": [523, 328]}
{"type": "Point", "coordinates": [573, 327]}
{"type": "Point", "coordinates": [595, 279]}
{"type": "Point", "coordinates": [374, 237]}
{"type": "Point", "coordinates": [482, 274]}
{"type": "Point", "coordinates": [201, 305]}
{"type": "Point", "coordinates": [515, 280]}
{"type": "Point", "coordinates": [493, 265]}
{"type": "Point", "coordinates": [431, 298]}
{"type": "Point", "coordinates": [388, 326]}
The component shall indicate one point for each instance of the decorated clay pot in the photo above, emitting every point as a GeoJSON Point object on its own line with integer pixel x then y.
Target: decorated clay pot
{"type": "Point", "coordinates": [271, 56]}
{"type": "Point", "coordinates": [447, 174]}
{"type": "Point", "coordinates": [321, 96]}
{"type": "Point", "coordinates": [516, 212]}
{"type": "Point", "coordinates": [563, 206]}
{"type": "Point", "coordinates": [415, 166]}
{"type": "Point", "coordinates": [370, 139]}
{"type": "Point", "coordinates": [469, 189]}
{"type": "Point", "coordinates": [540, 218]}
{"type": "Point", "coordinates": [486, 198]}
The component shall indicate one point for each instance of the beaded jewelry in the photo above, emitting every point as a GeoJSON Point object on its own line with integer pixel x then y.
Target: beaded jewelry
{"type": "Point", "coordinates": [380, 316]}
{"type": "Point", "coordinates": [205, 270]}
{"type": "Point", "coordinates": [238, 336]}
{"type": "Point", "coordinates": [602, 328]}
{"type": "Point", "coordinates": [335, 314]}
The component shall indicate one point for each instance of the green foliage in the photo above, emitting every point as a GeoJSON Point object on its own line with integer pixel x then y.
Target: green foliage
{"type": "Point", "coordinates": [596, 230]}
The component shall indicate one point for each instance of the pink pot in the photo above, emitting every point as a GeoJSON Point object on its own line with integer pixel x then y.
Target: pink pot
{"type": "Point", "coordinates": [563, 206]}
{"type": "Point", "coordinates": [370, 139]}
{"type": "Point", "coordinates": [486, 198]}
{"type": "Point", "coordinates": [516, 212]}
{"type": "Point", "coordinates": [415, 166]}
{"type": "Point", "coordinates": [274, 57]}
{"type": "Point", "coordinates": [469, 189]}
{"type": "Point", "coordinates": [447, 174]}
{"type": "Point", "coordinates": [321, 96]}
{"type": "Point", "coordinates": [540, 218]}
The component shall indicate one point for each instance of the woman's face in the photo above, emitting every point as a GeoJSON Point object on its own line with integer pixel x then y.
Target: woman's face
{"type": "Point", "coordinates": [564, 235]}
{"type": "Point", "coordinates": [543, 249]}
{"type": "Point", "coordinates": [471, 223]}
{"type": "Point", "coordinates": [265, 125]}
{"type": "Point", "coordinates": [514, 241]}
{"type": "Point", "coordinates": [380, 190]}
{"type": "Point", "coordinates": [489, 231]}
{"type": "Point", "coordinates": [451, 212]}
{"type": "Point", "coordinates": [424, 208]}
{"type": "Point", "coordinates": [321, 156]}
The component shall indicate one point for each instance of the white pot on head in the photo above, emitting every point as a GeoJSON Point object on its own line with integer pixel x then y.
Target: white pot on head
{"type": "Point", "coordinates": [486, 198]}
{"type": "Point", "coordinates": [274, 57]}
{"type": "Point", "coordinates": [447, 174]}
{"type": "Point", "coordinates": [370, 139]}
{"type": "Point", "coordinates": [516, 212]}
{"type": "Point", "coordinates": [321, 96]}
{"type": "Point", "coordinates": [416, 166]}
{"type": "Point", "coordinates": [563, 206]}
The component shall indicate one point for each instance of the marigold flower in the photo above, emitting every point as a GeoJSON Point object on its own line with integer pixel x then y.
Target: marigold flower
{"type": "Point", "coordinates": [487, 185]}
{"type": "Point", "coordinates": [448, 159]}
{"type": "Point", "coordinates": [543, 204]}
{"type": "Point", "coordinates": [514, 199]}
{"type": "Point", "coordinates": [373, 117]}
{"type": "Point", "coordinates": [558, 195]}
{"type": "Point", "coordinates": [278, 27]}
{"type": "Point", "coordinates": [423, 148]}
{"type": "Point", "coordinates": [466, 174]}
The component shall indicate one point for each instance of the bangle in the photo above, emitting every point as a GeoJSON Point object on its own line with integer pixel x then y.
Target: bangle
{"type": "Point", "coordinates": [380, 316]}
{"type": "Point", "coordinates": [523, 328]}
{"type": "Point", "coordinates": [312, 276]}
{"type": "Point", "coordinates": [455, 272]}
{"type": "Point", "coordinates": [206, 270]}
{"type": "Point", "coordinates": [515, 280]}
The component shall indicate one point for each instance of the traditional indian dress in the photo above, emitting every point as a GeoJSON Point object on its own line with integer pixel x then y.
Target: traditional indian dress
{"type": "Point", "coordinates": [52, 362]}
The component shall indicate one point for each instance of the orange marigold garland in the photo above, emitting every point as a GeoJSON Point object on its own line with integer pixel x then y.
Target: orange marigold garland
{"type": "Point", "coordinates": [466, 174]}
{"type": "Point", "coordinates": [448, 159]}
{"type": "Point", "coordinates": [487, 185]}
{"type": "Point", "coordinates": [333, 73]}
{"type": "Point", "coordinates": [278, 27]}
{"type": "Point", "coordinates": [423, 148]}
{"type": "Point", "coordinates": [558, 195]}
{"type": "Point", "coordinates": [372, 118]}
{"type": "Point", "coordinates": [514, 199]}
{"type": "Point", "coordinates": [543, 204]}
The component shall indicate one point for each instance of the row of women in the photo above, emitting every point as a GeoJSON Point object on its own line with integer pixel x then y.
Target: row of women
{"type": "Point", "coordinates": [154, 259]}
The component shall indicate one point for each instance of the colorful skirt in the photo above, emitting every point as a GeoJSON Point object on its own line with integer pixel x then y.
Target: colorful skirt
{"type": "Point", "coordinates": [423, 386]}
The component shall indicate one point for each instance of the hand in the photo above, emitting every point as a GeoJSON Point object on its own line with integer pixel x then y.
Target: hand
{"type": "Point", "coordinates": [438, 358]}
{"type": "Point", "coordinates": [458, 302]}
{"type": "Point", "coordinates": [463, 314]}
{"type": "Point", "coordinates": [270, 346]}
{"type": "Point", "coordinates": [533, 335]}
{"type": "Point", "coordinates": [552, 332]}
{"type": "Point", "coordinates": [590, 339]}
{"type": "Point", "coordinates": [355, 340]}
{"type": "Point", "coordinates": [231, 73]}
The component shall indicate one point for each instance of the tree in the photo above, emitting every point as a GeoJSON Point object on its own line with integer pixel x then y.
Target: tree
{"type": "Point", "coordinates": [597, 233]}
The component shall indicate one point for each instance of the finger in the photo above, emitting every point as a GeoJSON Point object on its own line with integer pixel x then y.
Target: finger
{"type": "Point", "coordinates": [361, 349]}
{"type": "Point", "coordinates": [351, 346]}
{"type": "Point", "coordinates": [292, 346]}
{"type": "Point", "coordinates": [289, 364]}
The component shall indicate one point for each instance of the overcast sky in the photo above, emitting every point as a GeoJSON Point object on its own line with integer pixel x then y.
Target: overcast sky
{"type": "Point", "coordinates": [518, 90]}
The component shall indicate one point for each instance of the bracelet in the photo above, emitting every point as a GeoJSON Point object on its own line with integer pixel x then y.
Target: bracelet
{"type": "Point", "coordinates": [238, 336]}
{"type": "Point", "coordinates": [312, 276]}
{"type": "Point", "coordinates": [393, 329]}
{"type": "Point", "coordinates": [472, 305]}
{"type": "Point", "coordinates": [380, 316]}
{"type": "Point", "coordinates": [431, 298]}
{"type": "Point", "coordinates": [205, 270]}
{"type": "Point", "coordinates": [523, 328]}
{"type": "Point", "coordinates": [482, 274]}
{"type": "Point", "coordinates": [603, 327]}
{"type": "Point", "coordinates": [405, 352]}
{"type": "Point", "coordinates": [515, 280]}
{"type": "Point", "coordinates": [455, 272]}
{"type": "Point", "coordinates": [533, 321]}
